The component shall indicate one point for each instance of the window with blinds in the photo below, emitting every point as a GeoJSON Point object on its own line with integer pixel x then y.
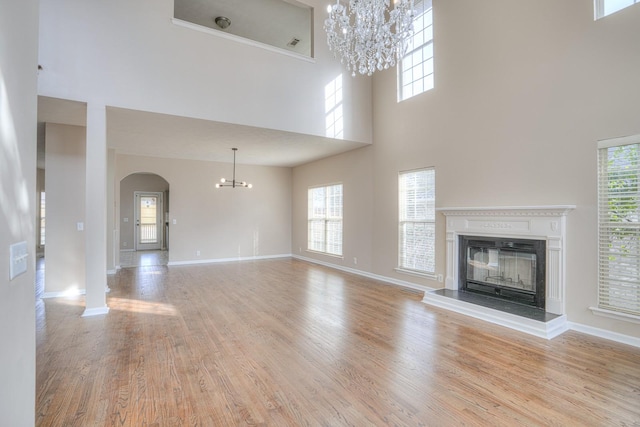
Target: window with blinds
{"type": "Point", "coordinates": [607, 7]}
{"type": "Point", "coordinates": [324, 233]}
{"type": "Point", "coordinates": [417, 221]}
{"type": "Point", "coordinates": [619, 225]}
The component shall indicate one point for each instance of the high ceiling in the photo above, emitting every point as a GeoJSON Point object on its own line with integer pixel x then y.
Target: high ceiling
{"type": "Point", "coordinates": [163, 135]}
{"type": "Point", "coordinates": [273, 22]}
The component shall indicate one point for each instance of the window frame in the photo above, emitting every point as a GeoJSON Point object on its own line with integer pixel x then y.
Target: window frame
{"type": "Point", "coordinates": [420, 50]}
{"type": "Point", "coordinates": [328, 220]}
{"type": "Point", "coordinates": [428, 219]}
{"type": "Point", "coordinates": [599, 8]}
{"type": "Point", "coordinates": [611, 262]}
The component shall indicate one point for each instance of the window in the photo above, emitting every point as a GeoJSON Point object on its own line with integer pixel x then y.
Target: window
{"type": "Point", "coordinates": [417, 221]}
{"type": "Point", "coordinates": [43, 210]}
{"type": "Point", "coordinates": [324, 232]}
{"type": "Point", "coordinates": [415, 71]}
{"type": "Point", "coordinates": [607, 7]}
{"type": "Point", "coordinates": [619, 225]}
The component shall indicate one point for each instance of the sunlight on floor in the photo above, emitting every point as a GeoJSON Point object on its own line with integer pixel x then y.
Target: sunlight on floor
{"type": "Point", "coordinates": [137, 306]}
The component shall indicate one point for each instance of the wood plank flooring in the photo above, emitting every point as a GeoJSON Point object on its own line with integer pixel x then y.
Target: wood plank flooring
{"type": "Point", "coordinates": [287, 343]}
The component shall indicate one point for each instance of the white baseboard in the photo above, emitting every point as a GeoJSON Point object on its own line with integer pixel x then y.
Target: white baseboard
{"type": "Point", "coordinates": [602, 333]}
{"type": "Point", "coordinates": [127, 250]}
{"type": "Point", "coordinates": [219, 260]}
{"type": "Point", "coordinates": [68, 293]}
{"type": "Point", "coordinates": [366, 274]}
{"type": "Point", "coordinates": [97, 311]}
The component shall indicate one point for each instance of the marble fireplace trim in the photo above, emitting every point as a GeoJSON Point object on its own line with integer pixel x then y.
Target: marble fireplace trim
{"type": "Point", "coordinates": [525, 222]}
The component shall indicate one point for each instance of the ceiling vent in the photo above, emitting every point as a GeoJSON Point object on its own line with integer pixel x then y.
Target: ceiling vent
{"type": "Point", "coordinates": [294, 41]}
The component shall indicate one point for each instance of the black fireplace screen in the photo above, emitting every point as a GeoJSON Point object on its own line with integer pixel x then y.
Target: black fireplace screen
{"type": "Point", "coordinates": [512, 269]}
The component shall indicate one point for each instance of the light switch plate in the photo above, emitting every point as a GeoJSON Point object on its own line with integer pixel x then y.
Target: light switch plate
{"type": "Point", "coordinates": [17, 259]}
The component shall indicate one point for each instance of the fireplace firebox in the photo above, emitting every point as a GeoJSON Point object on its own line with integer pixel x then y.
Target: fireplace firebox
{"type": "Point", "coordinates": [509, 269]}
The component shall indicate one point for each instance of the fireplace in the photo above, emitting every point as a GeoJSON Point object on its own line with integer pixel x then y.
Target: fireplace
{"type": "Point", "coordinates": [516, 254]}
{"type": "Point", "coordinates": [505, 268]}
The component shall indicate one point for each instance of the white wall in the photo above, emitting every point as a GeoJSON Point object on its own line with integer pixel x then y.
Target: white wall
{"type": "Point", "coordinates": [18, 103]}
{"type": "Point", "coordinates": [129, 54]}
{"type": "Point", "coordinates": [65, 173]}
{"type": "Point", "coordinates": [220, 223]}
{"type": "Point", "coordinates": [523, 90]}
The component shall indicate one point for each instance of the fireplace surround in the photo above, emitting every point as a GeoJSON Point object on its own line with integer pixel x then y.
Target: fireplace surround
{"type": "Point", "coordinates": [546, 224]}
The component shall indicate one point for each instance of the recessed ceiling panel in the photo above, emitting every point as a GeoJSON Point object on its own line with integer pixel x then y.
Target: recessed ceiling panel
{"type": "Point", "coordinates": [279, 23]}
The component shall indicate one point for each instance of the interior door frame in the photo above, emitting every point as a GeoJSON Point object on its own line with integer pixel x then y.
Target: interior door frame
{"type": "Point", "coordinates": [137, 246]}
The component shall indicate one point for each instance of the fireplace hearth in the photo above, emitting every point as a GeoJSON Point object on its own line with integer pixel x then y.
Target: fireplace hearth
{"type": "Point", "coordinates": [515, 274]}
{"type": "Point", "coordinates": [504, 268]}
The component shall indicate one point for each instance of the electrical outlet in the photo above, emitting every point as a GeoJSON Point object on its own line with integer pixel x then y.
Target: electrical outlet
{"type": "Point", "coordinates": [124, 244]}
{"type": "Point", "coordinates": [355, 260]}
{"type": "Point", "coordinates": [197, 253]}
{"type": "Point", "coordinates": [440, 278]}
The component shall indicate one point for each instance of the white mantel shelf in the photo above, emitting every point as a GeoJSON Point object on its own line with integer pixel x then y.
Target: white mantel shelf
{"type": "Point", "coordinates": [550, 210]}
{"type": "Point", "coordinates": [526, 222]}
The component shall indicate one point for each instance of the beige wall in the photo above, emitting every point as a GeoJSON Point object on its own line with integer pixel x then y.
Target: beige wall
{"type": "Point", "coordinates": [523, 91]}
{"type": "Point", "coordinates": [65, 189]}
{"type": "Point", "coordinates": [128, 186]}
{"type": "Point", "coordinates": [18, 104]}
{"type": "Point", "coordinates": [354, 170]}
{"type": "Point", "coordinates": [220, 223]}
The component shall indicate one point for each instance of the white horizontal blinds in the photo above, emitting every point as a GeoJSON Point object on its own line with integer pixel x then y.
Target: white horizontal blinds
{"type": "Point", "coordinates": [317, 213]}
{"type": "Point", "coordinates": [607, 7]}
{"type": "Point", "coordinates": [619, 227]}
{"type": "Point", "coordinates": [334, 220]}
{"type": "Point", "coordinates": [417, 220]}
{"type": "Point", "coordinates": [324, 232]}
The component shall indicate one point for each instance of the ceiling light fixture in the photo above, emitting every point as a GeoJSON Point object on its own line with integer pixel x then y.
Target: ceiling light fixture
{"type": "Point", "coordinates": [223, 22]}
{"type": "Point", "coordinates": [233, 183]}
{"type": "Point", "coordinates": [360, 34]}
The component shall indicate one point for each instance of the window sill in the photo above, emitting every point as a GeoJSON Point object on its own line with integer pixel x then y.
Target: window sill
{"type": "Point", "coordinates": [416, 273]}
{"type": "Point", "coordinates": [615, 315]}
{"type": "Point", "coordinates": [325, 254]}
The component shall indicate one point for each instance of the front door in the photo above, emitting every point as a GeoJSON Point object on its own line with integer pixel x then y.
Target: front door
{"type": "Point", "coordinates": [148, 220]}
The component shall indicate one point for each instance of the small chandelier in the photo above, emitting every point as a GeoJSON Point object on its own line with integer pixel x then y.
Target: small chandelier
{"type": "Point", "coordinates": [233, 183]}
{"type": "Point", "coordinates": [366, 35]}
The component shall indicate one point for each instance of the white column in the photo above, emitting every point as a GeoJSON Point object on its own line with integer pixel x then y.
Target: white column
{"type": "Point", "coordinates": [96, 211]}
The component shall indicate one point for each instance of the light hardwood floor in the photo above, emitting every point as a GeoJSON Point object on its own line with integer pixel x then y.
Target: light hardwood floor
{"type": "Point", "coordinates": [287, 343]}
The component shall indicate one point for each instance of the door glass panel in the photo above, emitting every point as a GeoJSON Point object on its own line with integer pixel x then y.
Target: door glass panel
{"type": "Point", "coordinates": [148, 219]}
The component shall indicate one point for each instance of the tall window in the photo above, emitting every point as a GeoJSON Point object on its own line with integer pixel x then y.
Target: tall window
{"type": "Point", "coordinates": [417, 221]}
{"type": "Point", "coordinates": [415, 71]}
{"type": "Point", "coordinates": [43, 210]}
{"type": "Point", "coordinates": [324, 232]}
{"type": "Point", "coordinates": [619, 225]}
{"type": "Point", "coordinates": [607, 7]}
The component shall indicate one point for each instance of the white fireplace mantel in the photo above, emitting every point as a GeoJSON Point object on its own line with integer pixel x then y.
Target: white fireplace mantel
{"type": "Point", "coordinates": [525, 222]}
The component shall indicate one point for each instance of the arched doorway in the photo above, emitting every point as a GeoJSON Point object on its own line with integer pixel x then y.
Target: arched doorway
{"type": "Point", "coordinates": [144, 231]}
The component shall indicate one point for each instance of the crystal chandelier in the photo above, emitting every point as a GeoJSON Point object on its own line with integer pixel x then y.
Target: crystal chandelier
{"type": "Point", "coordinates": [366, 35]}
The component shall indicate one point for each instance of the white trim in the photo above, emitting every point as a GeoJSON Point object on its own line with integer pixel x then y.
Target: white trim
{"type": "Point", "coordinates": [602, 333]}
{"type": "Point", "coordinates": [311, 251]}
{"type": "Point", "coordinates": [112, 272]}
{"type": "Point", "coordinates": [219, 260]}
{"type": "Point", "coordinates": [366, 274]}
{"type": "Point", "coordinates": [217, 33]}
{"type": "Point", "coordinates": [64, 294]}
{"type": "Point", "coordinates": [616, 142]}
{"type": "Point", "coordinates": [548, 330]}
{"type": "Point", "coordinates": [127, 250]}
{"type": "Point", "coordinates": [615, 315]}
{"type": "Point", "coordinates": [548, 210]}
{"type": "Point", "coordinates": [416, 273]}
{"type": "Point", "coordinates": [97, 311]}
